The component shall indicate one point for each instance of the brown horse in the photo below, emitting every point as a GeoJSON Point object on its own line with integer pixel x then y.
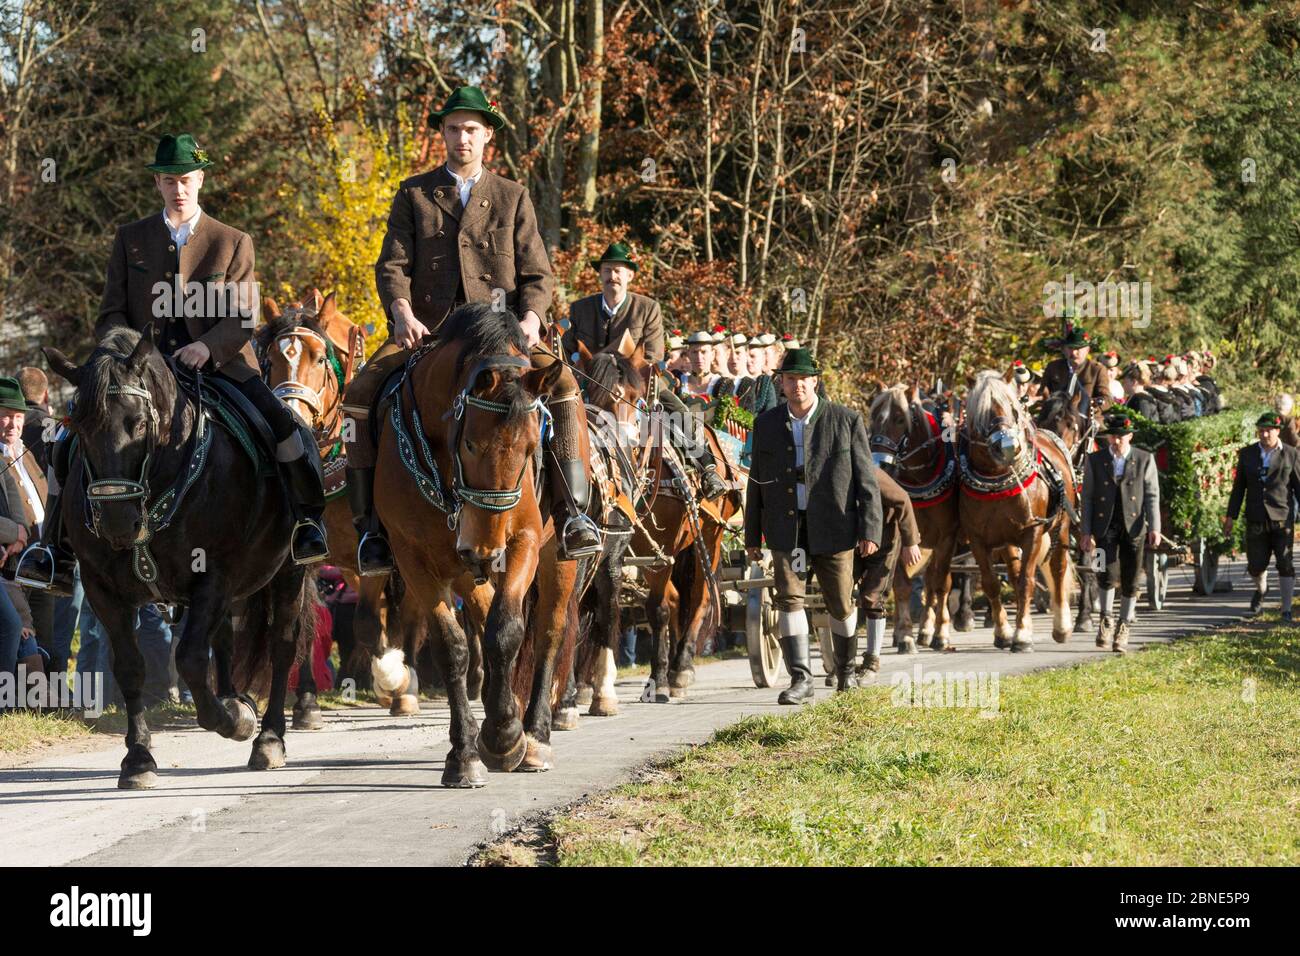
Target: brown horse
{"type": "Point", "coordinates": [309, 351]}
{"type": "Point", "coordinates": [455, 487]}
{"type": "Point", "coordinates": [907, 441]}
{"type": "Point", "coordinates": [671, 524]}
{"type": "Point", "coordinates": [1017, 496]}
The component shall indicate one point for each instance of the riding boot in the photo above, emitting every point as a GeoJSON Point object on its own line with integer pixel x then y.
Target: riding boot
{"type": "Point", "coordinates": [846, 652]}
{"type": "Point", "coordinates": [49, 564]}
{"type": "Point", "coordinates": [305, 480]}
{"type": "Point", "coordinates": [795, 651]}
{"type": "Point", "coordinates": [579, 536]}
{"type": "Point", "coordinates": [700, 456]}
{"type": "Point", "coordinates": [374, 556]}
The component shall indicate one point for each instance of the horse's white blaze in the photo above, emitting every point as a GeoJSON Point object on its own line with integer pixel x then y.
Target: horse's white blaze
{"type": "Point", "coordinates": [389, 671]}
{"type": "Point", "coordinates": [291, 349]}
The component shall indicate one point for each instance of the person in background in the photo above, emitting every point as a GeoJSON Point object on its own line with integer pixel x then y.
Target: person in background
{"type": "Point", "coordinates": [38, 428]}
{"type": "Point", "coordinates": [1137, 398]}
{"type": "Point", "coordinates": [1284, 405]}
{"type": "Point", "coordinates": [17, 636]}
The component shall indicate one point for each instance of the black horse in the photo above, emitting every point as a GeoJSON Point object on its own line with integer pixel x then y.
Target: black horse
{"type": "Point", "coordinates": [162, 505]}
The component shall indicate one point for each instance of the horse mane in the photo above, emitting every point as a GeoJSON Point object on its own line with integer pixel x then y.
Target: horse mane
{"type": "Point", "coordinates": [102, 370]}
{"type": "Point", "coordinates": [608, 370]}
{"type": "Point", "coordinates": [987, 395]}
{"type": "Point", "coordinates": [485, 333]}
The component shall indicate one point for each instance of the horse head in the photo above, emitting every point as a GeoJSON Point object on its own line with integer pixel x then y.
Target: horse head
{"type": "Point", "coordinates": [1060, 414]}
{"type": "Point", "coordinates": [894, 414]}
{"type": "Point", "coordinates": [301, 362]}
{"type": "Point", "coordinates": [617, 381]}
{"type": "Point", "coordinates": [493, 428]}
{"type": "Point", "coordinates": [127, 401]}
{"type": "Point", "coordinates": [996, 423]}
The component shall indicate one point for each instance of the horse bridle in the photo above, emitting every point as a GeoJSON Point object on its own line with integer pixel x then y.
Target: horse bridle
{"type": "Point", "coordinates": [487, 499]}
{"type": "Point", "coordinates": [312, 398]}
{"type": "Point", "coordinates": [123, 489]}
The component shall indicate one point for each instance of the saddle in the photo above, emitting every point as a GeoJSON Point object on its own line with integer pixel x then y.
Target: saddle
{"type": "Point", "coordinates": [226, 405]}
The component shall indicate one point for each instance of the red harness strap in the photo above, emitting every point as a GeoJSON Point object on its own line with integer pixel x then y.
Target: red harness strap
{"type": "Point", "coordinates": [1014, 489]}
{"type": "Point", "coordinates": [938, 467]}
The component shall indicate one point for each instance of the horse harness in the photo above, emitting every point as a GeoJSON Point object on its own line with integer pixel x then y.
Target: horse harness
{"type": "Point", "coordinates": [1027, 467]}
{"type": "Point", "coordinates": [158, 516]}
{"type": "Point", "coordinates": [424, 469]}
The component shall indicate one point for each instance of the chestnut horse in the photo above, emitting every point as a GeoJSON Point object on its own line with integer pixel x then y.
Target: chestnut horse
{"type": "Point", "coordinates": [1017, 494]}
{"type": "Point", "coordinates": [455, 485]}
{"type": "Point", "coordinates": [670, 523]}
{"type": "Point", "coordinates": [309, 351]}
{"type": "Point", "coordinates": [908, 443]}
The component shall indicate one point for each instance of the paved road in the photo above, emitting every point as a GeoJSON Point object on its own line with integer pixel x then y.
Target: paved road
{"type": "Point", "coordinates": [364, 790]}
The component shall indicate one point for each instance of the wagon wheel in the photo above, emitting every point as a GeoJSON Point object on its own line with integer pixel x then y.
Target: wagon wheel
{"type": "Point", "coordinates": [1157, 568]}
{"type": "Point", "coordinates": [761, 634]}
{"type": "Point", "coordinates": [1207, 567]}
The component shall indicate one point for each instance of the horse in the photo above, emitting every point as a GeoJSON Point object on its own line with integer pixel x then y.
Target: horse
{"type": "Point", "coordinates": [309, 352]}
{"type": "Point", "coordinates": [163, 505]}
{"type": "Point", "coordinates": [908, 442]}
{"type": "Point", "coordinates": [1018, 495]}
{"type": "Point", "coordinates": [682, 535]}
{"type": "Point", "coordinates": [455, 485]}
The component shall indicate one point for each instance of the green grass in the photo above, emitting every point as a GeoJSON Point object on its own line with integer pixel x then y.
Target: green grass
{"type": "Point", "coordinates": [1184, 754]}
{"type": "Point", "coordinates": [21, 731]}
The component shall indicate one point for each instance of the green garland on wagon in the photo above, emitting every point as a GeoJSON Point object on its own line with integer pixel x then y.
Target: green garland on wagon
{"type": "Point", "coordinates": [727, 409]}
{"type": "Point", "coordinates": [1200, 457]}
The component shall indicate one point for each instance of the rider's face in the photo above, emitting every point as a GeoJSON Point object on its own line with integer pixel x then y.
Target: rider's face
{"type": "Point", "coordinates": [465, 134]}
{"type": "Point", "coordinates": [180, 193]}
{"type": "Point", "coordinates": [11, 425]}
{"type": "Point", "coordinates": [614, 280]}
{"type": "Point", "coordinates": [1076, 356]}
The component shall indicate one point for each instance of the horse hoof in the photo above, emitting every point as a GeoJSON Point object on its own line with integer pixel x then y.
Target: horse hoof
{"type": "Point", "coordinates": [1001, 642]}
{"type": "Point", "coordinates": [244, 715]}
{"type": "Point", "coordinates": [268, 752]}
{"type": "Point", "coordinates": [908, 646]}
{"type": "Point", "coordinates": [458, 774]}
{"type": "Point", "coordinates": [923, 639]}
{"type": "Point", "coordinates": [506, 762]}
{"type": "Point", "coordinates": [1022, 647]}
{"type": "Point", "coordinates": [383, 700]}
{"type": "Point", "coordinates": [677, 692]}
{"type": "Point", "coordinates": [1061, 636]}
{"type": "Point", "coordinates": [938, 644]}
{"type": "Point", "coordinates": [137, 780]}
{"type": "Point", "coordinates": [963, 623]}
{"type": "Point", "coordinates": [308, 718]}
{"type": "Point", "coordinates": [389, 673]}
{"type": "Point", "coordinates": [566, 718]}
{"type": "Point", "coordinates": [683, 678]}
{"type": "Point", "coordinates": [537, 759]}
{"type": "Point", "coordinates": [405, 706]}
{"type": "Point", "coordinates": [662, 698]}
{"type": "Point", "coordinates": [584, 696]}
{"type": "Point", "coordinates": [601, 706]}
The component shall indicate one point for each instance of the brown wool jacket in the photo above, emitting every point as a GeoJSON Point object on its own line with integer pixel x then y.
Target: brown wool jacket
{"type": "Point", "coordinates": [639, 316]}
{"type": "Point", "coordinates": [144, 255]}
{"type": "Point", "coordinates": [433, 247]}
{"type": "Point", "coordinates": [897, 508]}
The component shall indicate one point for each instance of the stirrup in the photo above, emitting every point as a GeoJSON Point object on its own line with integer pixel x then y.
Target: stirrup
{"type": "Point", "coordinates": [573, 524]}
{"type": "Point", "coordinates": [33, 555]}
{"type": "Point", "coordinates": [369, 569]}
{"type": "Point", "coordinates": [310, 557]}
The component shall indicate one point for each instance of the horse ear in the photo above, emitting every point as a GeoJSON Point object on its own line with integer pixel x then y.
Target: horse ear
{"type": "Point", "coordinates": [626, 346]}
{"type": "Point", "coordinates": [328, 305]}
{"type": "Point", "coordinates": [540, 381]}
{"type": "Point", "coordinates": [878, 385]}
{"type": "Point", "coordinates": [61, 365]}
{"type": "Point", "coordinates": [143, 348]}
{"type": "Point", "coordinates": [637, 358]}
{"type": "Point", "coordinates": [584, 355]}
{"type": "Point", "coordinates": [914, 395]}
{"type": "Point", "coordinates": [270, 310]}
{"type": "Point", "coordinates": [314, 297]}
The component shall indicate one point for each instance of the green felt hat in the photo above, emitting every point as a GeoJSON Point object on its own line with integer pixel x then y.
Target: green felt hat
{"type": "Point", "coordinates": [11, 395]}
{"type": "Point", "coordinates": [619, 253]}
{"type": "Point", "coordinates": [1267, 420]}
{"type": "Point", "coordinates": [1118, 425]}
{"type": "Point", "coordinates": [467, 98]}
{"type": "Point", "coordinates": [799, 362]}
{"type": "Point", "coordinates": [178, 155]}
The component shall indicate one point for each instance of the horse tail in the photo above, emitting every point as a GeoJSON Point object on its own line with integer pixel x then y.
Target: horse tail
{"type": "Point", "coordinates": [252, 664]}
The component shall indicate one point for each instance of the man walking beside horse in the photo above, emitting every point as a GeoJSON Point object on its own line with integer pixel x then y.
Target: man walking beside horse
{"type": "Point", "coordinates": [813, 499]}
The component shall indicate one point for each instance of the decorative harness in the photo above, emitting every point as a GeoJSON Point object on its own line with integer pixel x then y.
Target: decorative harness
{"type": "Point", "coordinates": [158, 516]}
{"type": "Point", "coordinates": [1023, 472]}
{"type": "Point", "coordinates": [942, 482]}
{"type": "Point", "coordinates": [424, 470]}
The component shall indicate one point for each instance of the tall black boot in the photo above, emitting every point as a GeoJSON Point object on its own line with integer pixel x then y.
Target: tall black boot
{"type": "Point", "coordinates": [48, 564]}
{"type": "Point", "coordinates": [795, 651]}
{"type": "Point", "coordinates": [700, 456]}
{"type": "Point", "coordinates": [305, 479]}
{"type": "Point", "coordinates": [374, 556]}
{"type": "Point", "coordinates": [846, 652]}
{"type": "Point", "coordinates": [580, 536]}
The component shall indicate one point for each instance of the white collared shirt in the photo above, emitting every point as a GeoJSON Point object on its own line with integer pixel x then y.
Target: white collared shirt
{"type": "Point", "coordinates": [1266, 454]}
{"type": "Point", "coordinates": [464, 185]}
{"type": "Point", "coordinates": [611, 312]}
{"type": "Point", "coordinates": [797, 426]}
{"type": "Point", "coordinates": [25, 483]}
{"type": "Point", "coordinates": [1119, 461]}
{"type": "Point", "coordinates": [181, 234]}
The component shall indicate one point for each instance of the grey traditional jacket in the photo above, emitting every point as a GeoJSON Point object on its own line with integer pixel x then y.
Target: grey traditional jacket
{"type": "Point", "coordinates": [1138, 494]}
